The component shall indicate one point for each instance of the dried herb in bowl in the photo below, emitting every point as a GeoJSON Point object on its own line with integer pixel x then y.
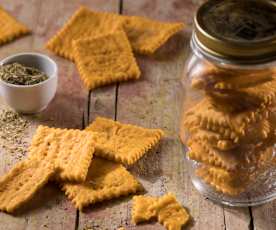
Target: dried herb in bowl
{"type": "Point", "coordinates": [18, 74]}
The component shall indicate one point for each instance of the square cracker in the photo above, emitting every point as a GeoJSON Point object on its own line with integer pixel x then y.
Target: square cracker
{"type": "Point", "coordinates": [70, 150]}
{"type": "Point", "coordinates": [105, 180]}
{"type": "Point", "coordinates": [123, 143]}
{"type": "Point", "coordinates": [147, 35]}
{"type": "Point", "coordinates": [10, 28]}
{"type": "Point", "coordinates": [84, 23]}
{"type": "Point", "coordinates": [105, 59]}
{"type": "Point", "coordinates": [170, 213]}
{"type": "Point", "coordinates": [141, 208]}
{"type": "Point", "coordinates": [21, 183]}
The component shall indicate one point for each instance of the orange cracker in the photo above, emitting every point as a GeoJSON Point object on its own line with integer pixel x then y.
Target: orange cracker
{"type": "Point", "coordinates": [141, 208]}
{"type": "Point", "coordinates": [123, 143]}
{"type": "Point", "coordinates": [10, 28]}
{"type": "Point", "coordinates": [71, 151]}
{"type": "Point", "coordinates": [21, 183]}
{"type": "Point", "coordinates": [170, 213]}
{"type": "Point", "coordinates": [84, 23]}
{"type": "Point", "coordinates": [104, 60]}
{"type": "Point", "coordinates": [146, 35]}
{"type": "Point", "coordinates": [105, 180]}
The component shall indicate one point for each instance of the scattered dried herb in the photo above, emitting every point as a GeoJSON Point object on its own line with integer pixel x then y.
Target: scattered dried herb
{"type": "Point", "coordinates": [18, 74]}
{"type": "Point", "coordinates": [12, 132]}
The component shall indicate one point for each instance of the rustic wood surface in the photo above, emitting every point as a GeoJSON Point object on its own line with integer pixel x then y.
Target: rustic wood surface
{"type": "Point", "coordinates": [154, 101]}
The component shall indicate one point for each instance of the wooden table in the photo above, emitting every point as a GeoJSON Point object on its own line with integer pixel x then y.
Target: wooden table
{"type": "Point", "coordinates": [153, 101]}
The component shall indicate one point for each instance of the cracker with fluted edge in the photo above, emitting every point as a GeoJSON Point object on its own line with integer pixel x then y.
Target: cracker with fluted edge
{"type": "Point", "coordinates": [10, 28]}
{"type": "Point", "coordinates": [71, 150]}
{"type": "Point", "coordinates": [170, 213]}
{"type": "Point", "coordinates": [84, 23]}
{"type": "Point", "coordinates": [141, 211]}
{"type": "Point", "coordinates": [21, 183]}
{"type": "Point", "coordinates": [105, 180]}
{"type": "Point", "coordinates": [123, 143]}
{"type": "Point", "coordinates": [206, 116]}
{"type": "Point", "coordinates": [147, 35]}
{"type": "Point", "coordinates": [105, 60]}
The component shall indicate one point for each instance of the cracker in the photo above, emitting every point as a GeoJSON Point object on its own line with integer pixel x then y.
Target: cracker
{"type": "Point", "coordinates": [10, 28]}
{"type": "Point", "coordinates": [141, 209]}
{"type": "Point", "coordinates": [220, 186]}
{"type": "Point", "coordinates": [206, 116]}
{"type": "Point", "coordinates": [211, 77]}
{"type": "Point", "coordinates": [201, 151]}
{"type": "Point", "coordinates": [146, 35]}
{"type": "Point", "coordinates": [123, 143]}
{"type": "Point", "coordinates": [105, 60]}
{"type": "Point", "coordinates": [70, 150]}
{"type": "Point", "coordinates": [105, 180]}
{"type": "Point", "coordinates": [21, 183]}
{"type": "Point", "coordinates": [170, 213]}
{"type": "Point", "coordinates": [84, 23]}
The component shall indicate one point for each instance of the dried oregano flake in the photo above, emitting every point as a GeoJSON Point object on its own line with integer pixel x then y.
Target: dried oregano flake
{"type": "Point", "coordinates": [18, 74]}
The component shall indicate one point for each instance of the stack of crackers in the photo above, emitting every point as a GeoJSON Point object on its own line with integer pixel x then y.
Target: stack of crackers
{"type": "Point", "coordinates": [87, 164]}
{"type": "Point", "coordinates": [102, 44]}
{"type": "Point", "coordinates": [231, 130]}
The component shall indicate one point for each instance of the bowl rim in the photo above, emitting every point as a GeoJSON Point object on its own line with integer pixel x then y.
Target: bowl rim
{"type": "Point", "coordinates": [38, 55]}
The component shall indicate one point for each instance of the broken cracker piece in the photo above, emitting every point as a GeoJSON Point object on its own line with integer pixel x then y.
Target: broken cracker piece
{"type": "Point", "coordinates": [104, 60]}
{"type": "Point", "coordinates": [170, 213]}
{"type": "Point", "coordinates": [21, 183]}
{"type": "Point", "coordinates": [83, 24]}
{"type": "Point", "coordinates": [105, 180]}
{"type": "Point", "coordinates": [70, 150]}
{"type": "Point", "coordinates": [141, 208]}
{"type": "Point", "coordinates": [10, 28]}
{"type": "Point", "coordinates": [123, 143]}
{"type": "Point", "coordinates": [147, 35]}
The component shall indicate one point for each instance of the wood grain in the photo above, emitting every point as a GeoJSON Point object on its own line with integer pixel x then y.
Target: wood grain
{"type": "Point", "coordinates": [49, 209]}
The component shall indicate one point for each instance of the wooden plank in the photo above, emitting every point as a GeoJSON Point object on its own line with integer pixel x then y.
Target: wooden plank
{"type": "Point", "coordinates": [155, 102]}
{"type": "Point", "coordinates": [264, 216]}
{"type": "Point", "coordinates": [102, 103]}
{"type": "Point", "coordinates": [50, 209]}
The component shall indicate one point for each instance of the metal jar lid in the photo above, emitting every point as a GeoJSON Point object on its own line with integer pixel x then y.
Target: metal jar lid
{"type": "Point", "coordinates": [241, 30]}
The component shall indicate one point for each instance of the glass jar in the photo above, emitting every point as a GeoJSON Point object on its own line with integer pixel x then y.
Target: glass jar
{"type": "Point", "coordinates": [229, 108]}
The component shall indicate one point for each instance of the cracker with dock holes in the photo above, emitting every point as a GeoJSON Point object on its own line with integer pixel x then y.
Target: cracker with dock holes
{"type": "Point", "coordinates": [146, 35]}
{"type": "Point", "coordinates": [70, 150]}
{"type": "Point", "coordinates": [105, 60]}
{"type": "Point", "coordinates": [105, 180]}
{"type": "Point", "coordinates": [170, 213]}
{"type": "Point", "coordinates": [123, 143]}
{"type": "Point", "coordinates": [140, 208]}
{"type": "Point", "coordinates": [84, 23]}
{"type": "Point", "coordinates": [10, 28]}
{"type": "Point", "coordinates": [21, 183]}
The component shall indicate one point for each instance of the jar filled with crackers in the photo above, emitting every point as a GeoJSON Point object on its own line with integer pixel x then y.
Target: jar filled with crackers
{"type": "Point", "coordinates": [229, 108]}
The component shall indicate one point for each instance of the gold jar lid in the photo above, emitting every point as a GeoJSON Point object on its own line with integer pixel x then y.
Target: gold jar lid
{"type": "Point", "coordinates": [242, 30]}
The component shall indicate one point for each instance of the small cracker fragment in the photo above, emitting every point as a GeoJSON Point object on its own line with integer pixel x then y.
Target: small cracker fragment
{"type": "Point", "coordinates": [105, 59]}
{"type": "Point", "coordinates": [147, 35]}
{"type": "Point", "coordinates": [10, 28]}
{"type": "Point", "coordinates": [21, 183]}
{"type": "Point", "coordinates": [141, 208]}
{"type": "Point", "coordinates": [123, 143]}
{"type": "Point", "coordinates": [170, 213]}
{"type": "Point", "coordinates": [105, 180]}
{"type": "Point", "coordinates": [84, 23]}
{"type": "Point", "coordinates": [70, 150]}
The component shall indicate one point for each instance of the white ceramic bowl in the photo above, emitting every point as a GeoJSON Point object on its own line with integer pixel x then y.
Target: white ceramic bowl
{"type": "Point", "coordinates": [31, 98]}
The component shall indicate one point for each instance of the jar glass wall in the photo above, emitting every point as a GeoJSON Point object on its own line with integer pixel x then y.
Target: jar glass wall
{"type": "Point", "coordinates": [228, 128]}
